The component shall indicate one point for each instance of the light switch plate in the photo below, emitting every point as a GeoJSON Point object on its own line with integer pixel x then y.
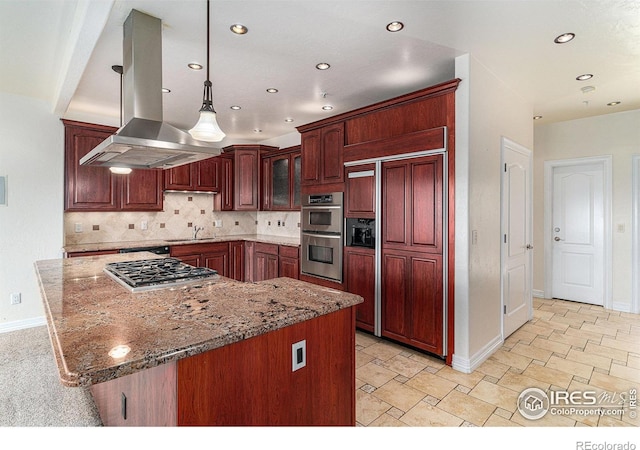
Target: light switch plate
{"type": "Point", "coordinates": [298, 355]}
{"type": "Point", "coordinates": [3, 190]}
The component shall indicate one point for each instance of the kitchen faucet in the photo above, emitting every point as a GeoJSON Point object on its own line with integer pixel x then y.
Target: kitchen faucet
{"type": "Point", "coordinates": [195, 231]}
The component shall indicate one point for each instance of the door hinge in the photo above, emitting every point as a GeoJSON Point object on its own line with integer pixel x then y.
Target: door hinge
{"type": "Point", "coordinates": [505, 238]}
{"type": "Point", "coordinates": [505, 167]}
{"type": "Point", "coordinates": [504, 309]}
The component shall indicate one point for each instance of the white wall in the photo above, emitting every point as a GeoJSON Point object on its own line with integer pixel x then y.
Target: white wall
{"type": "Point", "coordinates": [615, 134]}
{"type": "Point", "coordinates": [486, 110]}
{"type": "Point", "coordinates": [32, 156]}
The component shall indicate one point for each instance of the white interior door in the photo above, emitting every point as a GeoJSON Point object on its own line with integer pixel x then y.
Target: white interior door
{"type": "Point", "coordinates": [578, 233]}
{"type": "Point", "coordinates": [516, 238]}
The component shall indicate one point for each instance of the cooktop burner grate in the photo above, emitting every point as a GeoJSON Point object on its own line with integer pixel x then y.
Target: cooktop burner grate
{"type": "Point", "coordinates": [154, 273]}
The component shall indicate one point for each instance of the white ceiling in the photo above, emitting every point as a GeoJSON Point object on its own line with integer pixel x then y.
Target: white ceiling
{"type": "Point", "coordinates": [62, 51]}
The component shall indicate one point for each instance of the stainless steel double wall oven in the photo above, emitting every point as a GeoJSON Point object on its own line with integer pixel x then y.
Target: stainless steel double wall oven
{"type": "Point", "coordinates": [322, 235]}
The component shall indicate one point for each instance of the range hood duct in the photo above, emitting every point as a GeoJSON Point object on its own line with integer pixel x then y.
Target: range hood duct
{"type": "Point", "coordinates": [145, 141]}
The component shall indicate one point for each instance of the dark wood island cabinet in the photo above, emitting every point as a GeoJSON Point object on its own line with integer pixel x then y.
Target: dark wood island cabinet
{"type": "Point", "coordinates": [211, 352]}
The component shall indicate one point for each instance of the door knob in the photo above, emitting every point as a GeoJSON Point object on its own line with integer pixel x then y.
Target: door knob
{"type": "Point", "coordinates": [529, 247]}
{"type": "Point", "coordinates": [557, 239]}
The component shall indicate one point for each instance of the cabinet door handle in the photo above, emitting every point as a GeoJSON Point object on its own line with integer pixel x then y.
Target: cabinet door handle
{"type": "Point", "coordinates": [123, 406]}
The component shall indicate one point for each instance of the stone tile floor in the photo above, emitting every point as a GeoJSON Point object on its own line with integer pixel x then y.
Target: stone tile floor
{"type": "Point", "coordinates": [567, 346]}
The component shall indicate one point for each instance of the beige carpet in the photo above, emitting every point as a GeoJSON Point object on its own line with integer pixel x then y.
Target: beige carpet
{"type": "Point", "coordinates": [31, 394]}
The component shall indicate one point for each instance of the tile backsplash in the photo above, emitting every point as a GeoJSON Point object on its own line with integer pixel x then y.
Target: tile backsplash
{"type": "Point", "coordinates": [182, 211]}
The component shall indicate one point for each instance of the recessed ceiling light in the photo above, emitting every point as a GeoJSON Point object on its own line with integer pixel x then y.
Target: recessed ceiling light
{"type": "Point", "coordinates": [165, 90]}
{"type": "Point", "coordinates": [322, 66]}
{"type": "Point", "coordinates": [194, 66]}
{"type": "Point", "coordinates": [613, 103]}
{"type": "Point", "coordinates": [288, 119]}
{"type": "Point", "coordinates": [235, 107]}
{"type": "Point", "coordinates": [238, 28]}
{"type": "Point", "coordinates": [395, 26]}
{"type": "Point", "coordinates": [584, 76]}
{"type": "Point", "coordinates": [272, 90]}
{"type": "Point", "coordinates": [564, 38]}
{"type": "Point", "coordinates": [537, 117]}
{"type": "Point", "coordinates": [327, 107]}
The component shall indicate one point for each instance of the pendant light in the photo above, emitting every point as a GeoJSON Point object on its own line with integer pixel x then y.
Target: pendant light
{"type": "Point", "coordinates": [207, 128]}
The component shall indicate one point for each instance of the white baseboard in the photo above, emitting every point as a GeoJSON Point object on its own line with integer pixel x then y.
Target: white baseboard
{"type": "Point", "coordinates": [22, 324]}
{"type": "Point", "coordinates": [468, 365]}
{"type": "Point", "coordinates": [537, 293]}
{"type": "Point", "coordinates": [622, 307]}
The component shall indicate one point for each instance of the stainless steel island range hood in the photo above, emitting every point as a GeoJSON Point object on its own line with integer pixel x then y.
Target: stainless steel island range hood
{"type": "Point", "coordinates": [145, 141]}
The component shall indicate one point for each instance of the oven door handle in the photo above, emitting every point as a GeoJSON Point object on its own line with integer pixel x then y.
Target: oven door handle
{"type": "Point", "coordinates": [322, 235]}
{"type": "Point", "coordinates": [321, 207]}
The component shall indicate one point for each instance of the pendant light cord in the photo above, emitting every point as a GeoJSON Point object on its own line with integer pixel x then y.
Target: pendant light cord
{"type": "Point", "coordinates": [208, 15]}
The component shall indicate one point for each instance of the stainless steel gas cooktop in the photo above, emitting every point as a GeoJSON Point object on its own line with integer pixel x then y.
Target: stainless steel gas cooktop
{"type": "Point", "coordinates": [148, 274]}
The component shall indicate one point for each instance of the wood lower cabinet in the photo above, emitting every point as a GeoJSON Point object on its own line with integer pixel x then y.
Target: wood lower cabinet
{"type": "Point", "coordinates": [266, 261]}
{"type": "Point", "coordinates": [360, 279]}
{"type": "Point", "coordinates": [145, 398]}
{"type": "Point", "coordinates": [273, 261]}
{"type": "Point", "coordinates": [289, 261]}
{"type": "Point", "coordinates": [94, 188]}
{"type": "Point", "coordinates": [412, 299]}
{"type": "Point", "coordinates": [236, 260]}
{"type": "Point", "coordinates": [250, 382]}
{"type": "Point", "coordinates": [215, 255]}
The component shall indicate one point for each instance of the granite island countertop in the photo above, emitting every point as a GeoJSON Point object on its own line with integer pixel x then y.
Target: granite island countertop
{"type": "Point", "coordinates": [89, 315]}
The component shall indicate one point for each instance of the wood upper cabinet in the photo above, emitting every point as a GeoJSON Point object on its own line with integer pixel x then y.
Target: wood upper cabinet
{"type": "Point", "coordinates": [87, 188]}
{"type": "Point", "coordinates": [241, 178]}
{"type": "Point", "coordinates": [412, 199]}
{"type": "Point", "coordinates": [281, 175]}
{"type": "Point", "coordinates": [322, 155]}
{"type": "Point", "coordinates": [201, 176]}
{"type": "Point", "coordinates": [94, 188]}
{"type": "Point", "coordinates": [141, 190]}
{"type": "Point", "coordinates": [360, 191]}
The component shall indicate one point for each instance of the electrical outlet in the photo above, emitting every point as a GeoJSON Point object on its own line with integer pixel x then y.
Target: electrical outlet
{"type": "Point", "coordinates": [16, 298]}
{"type": "Point", "coordinates": [78, 228]}
{"type": "Point", "coordinates": [217, 223]}
{"type": "Point", "coordinates": [143, 225]}
{"type": "Point", "coordinates": [298, 355]}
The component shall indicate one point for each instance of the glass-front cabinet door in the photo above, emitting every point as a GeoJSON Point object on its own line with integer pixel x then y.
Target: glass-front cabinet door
{"type": "Point", "coordinates": [280, 193]}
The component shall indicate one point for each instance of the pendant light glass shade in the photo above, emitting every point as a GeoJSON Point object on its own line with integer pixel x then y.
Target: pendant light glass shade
{"type": "Point", "coordinates": [207, 128]}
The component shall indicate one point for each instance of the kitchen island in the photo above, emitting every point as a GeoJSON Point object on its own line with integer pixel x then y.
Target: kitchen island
{"type": "Point", "coordinates": [210, 352]}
